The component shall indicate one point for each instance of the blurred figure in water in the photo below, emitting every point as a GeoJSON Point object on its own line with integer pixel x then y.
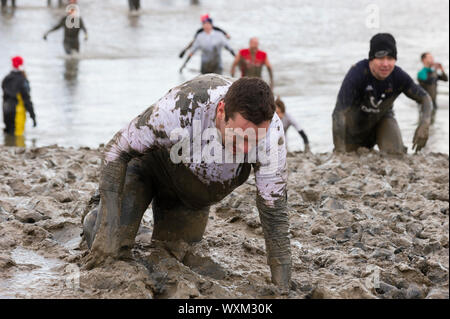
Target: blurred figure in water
{"type": "Point", "coordinates": [5, 2]}
{"type": "Point", "coordinates": [16, 100]}
{"type": "Point", "coordinates": [134, 5]}
{"type": "Point", "coordinates": [429, 76]}
{"type": "Point", "coordinates": [72, 24]}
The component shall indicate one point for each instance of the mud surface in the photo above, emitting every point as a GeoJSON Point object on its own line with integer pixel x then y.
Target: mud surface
{"type": "Point", "coordinates": [362, 226]}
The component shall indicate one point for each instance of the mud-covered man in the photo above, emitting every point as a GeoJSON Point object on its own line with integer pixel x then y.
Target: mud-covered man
{"type": "Point", "coordinates": [181, 155]}
{"type": "Point", "coordinates": [72, 24]}
{"type": "Point", "coordinates": [210, 42]}
{"type": "Point", "coordinates": [363, 116]}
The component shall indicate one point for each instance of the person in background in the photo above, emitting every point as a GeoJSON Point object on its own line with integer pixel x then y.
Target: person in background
{"type": "Point", "coordinates": [429, 76]}
{"type": "Point", "coordinates": [5, 2]}
{"type": "Point", "coordinates": [202, 18]}
{"type": "Point", "coordinates": [251, 61]}
{"type": "Point", "coordinates": [288, 121]}
{"type": "Point", "coordinates": [210, 42]}
{"type": "Point", "coordinates": [134, 5]}
{"type": "Point", "coordinates": [364, 116]}
{"type": "Point", "coordinates": [72, 24]}
{"type": "Point", "coordinates": [16, 100]}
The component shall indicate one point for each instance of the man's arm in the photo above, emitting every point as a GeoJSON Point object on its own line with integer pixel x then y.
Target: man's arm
{"type": "Point", "coordinates": [442, 76]}
{"type": "Point", "coordinates": [347, 97]}
{"type": "Point", "coordinates": [418, 94]}
{"type": "Point", "coordinates": [237, 58]}
{"type": "Point", "coordinates": [221, 30]}
{"type": "Point", "coordinates": [269, 68]}
{"type": "Point", "coordinates": [83, 27]}
{"type": "Point", "coordinates": [56, 27]}
{"type": "Point", "coordinates": [271, 200]}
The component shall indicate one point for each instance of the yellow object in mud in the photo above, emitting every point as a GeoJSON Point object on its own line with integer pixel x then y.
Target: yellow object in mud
{"type": "Point", "coordinates": [20, 118]}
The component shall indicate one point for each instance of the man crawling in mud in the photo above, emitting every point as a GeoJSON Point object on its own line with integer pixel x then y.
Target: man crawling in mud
{"type": "Point", "coordinates": [186, 152]}
{"type": "Point", "coordinates": [363, 116]}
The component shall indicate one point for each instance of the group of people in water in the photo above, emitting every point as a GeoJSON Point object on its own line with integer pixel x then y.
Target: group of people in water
{"type": "Point", "coordinates": [144, 163]}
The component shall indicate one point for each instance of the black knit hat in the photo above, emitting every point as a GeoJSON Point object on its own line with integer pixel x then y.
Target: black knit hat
{"type": "Point", "coordinates": [381, 45]}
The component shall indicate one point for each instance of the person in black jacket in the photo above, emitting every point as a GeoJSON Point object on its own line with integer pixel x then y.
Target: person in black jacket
{"type": "Point", "coordinates": [72, 24]}
{"type": "Point", "coordinates": [134, 5]}
{"type": "Point", "coordinates": [16, 100]}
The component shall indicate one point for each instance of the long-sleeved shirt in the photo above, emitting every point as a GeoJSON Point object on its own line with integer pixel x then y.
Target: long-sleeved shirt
{"type": "Point", "coordinates": [16, 83]}
{"type": "Point", "coordinates": [211, 45]}
{"type": "Point", "coordinates": [71, 32]}
{"type": "Point", "coordinates": [186, 116]}
{"type": "Point", "coordinates": [364, 100]}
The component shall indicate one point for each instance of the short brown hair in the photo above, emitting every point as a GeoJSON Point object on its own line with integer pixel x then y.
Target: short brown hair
{"type": "Point", "coordinates": [280, 105]}
{"type": "Point", "coordinates": [424, 55]}
{"type": "Point", "coordinates": [252, 98]}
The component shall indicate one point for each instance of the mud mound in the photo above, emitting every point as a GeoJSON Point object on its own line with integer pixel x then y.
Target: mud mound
{"type": "Point", "coordinates": [362, 226]}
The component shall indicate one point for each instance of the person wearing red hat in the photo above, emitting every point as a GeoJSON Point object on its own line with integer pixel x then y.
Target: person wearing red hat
{"type": "Point", "coordinates": [16, 100]}
{"type": "Point", "coordinates": [203, 18]}
{"type": "Point", "coordinates": [72, 24]}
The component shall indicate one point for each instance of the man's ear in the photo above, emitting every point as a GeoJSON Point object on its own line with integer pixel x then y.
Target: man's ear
{"type": "Point", "coordinates": [221, 110]}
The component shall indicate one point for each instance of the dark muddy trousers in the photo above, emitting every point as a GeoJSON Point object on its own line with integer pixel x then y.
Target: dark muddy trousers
{"type": "Point", "coordinates": [386, 135]}
{"type": "Point", "coordinates": [71, 46]}
{"type": "Point", "coordinates": [13, 3]}
{"type": "Point", "coordinates": [134, 4]}
{"type": "Point", "coordinates": [180, 200]}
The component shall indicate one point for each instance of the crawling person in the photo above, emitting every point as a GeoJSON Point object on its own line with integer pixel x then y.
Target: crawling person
{"type": "Point", "coordinates": [364, 116]}
{"type": "Point", "coordinates": [289, 121]}
{"type": "Point", "coordinates": [142, 165]}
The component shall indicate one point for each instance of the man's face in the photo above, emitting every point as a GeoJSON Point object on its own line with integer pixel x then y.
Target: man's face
{"type": "Point", "coordinates": [254, 44]}
{"type": "Point", "coordinates": [207, 27]}
{"type": "Point", "coordinates": [234, 131]}
{"type": "Point", "coordinates": [428, 61]}
{"type": "Point", "coordinates": [381, 68]}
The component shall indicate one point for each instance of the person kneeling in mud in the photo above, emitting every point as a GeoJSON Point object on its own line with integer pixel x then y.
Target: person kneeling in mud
{"type": "Point", "coordinates": [144, 164]}
{"type": "Point", "coordinates": [287, 121]}
{"type": "Point", "coordinates": [363, 115]}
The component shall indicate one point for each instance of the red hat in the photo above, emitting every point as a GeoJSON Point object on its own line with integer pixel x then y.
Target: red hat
{"type": "Point", "coordinates": [204, 17]}
{"type": "Point", "coordinates": [17, 61]}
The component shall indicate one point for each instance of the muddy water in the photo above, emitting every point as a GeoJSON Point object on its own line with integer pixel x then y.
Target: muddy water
{"type": "Point", "coordinates": [129, 62]}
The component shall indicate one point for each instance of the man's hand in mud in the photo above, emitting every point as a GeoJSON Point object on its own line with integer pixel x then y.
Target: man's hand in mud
{"type": "Point", "coordinates": [420, 137]}
{"type": "Point", "coordinates": [281, 276]}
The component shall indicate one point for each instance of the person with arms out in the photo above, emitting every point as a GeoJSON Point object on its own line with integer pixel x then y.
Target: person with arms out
{"type": "Point", "coordinates": [364, 116]}
{"type": "Point", "coordinates": [202, 19]}
{"type": "Point", "coordinates": [210, 42]}
{"type": "Point", "coordinates": [289, 121]}
{"type": "Point", "coordinates": [142, 165]}
{"type": "Point", "coordinates": [251, 61]}
{"type": "Point", "coordinates": [72, 24]}
{"type": "Point", "coordinates": [429, 76]}
{"type": "Point", "coordinates": [16, 100]}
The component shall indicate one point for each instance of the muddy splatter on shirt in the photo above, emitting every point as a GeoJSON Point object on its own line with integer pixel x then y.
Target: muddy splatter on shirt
{"type": "Point", "coordinates": [186, 116]}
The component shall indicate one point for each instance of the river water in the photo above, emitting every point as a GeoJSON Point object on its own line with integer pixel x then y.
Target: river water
{"type": "Point", "coordinates": [131, 61]}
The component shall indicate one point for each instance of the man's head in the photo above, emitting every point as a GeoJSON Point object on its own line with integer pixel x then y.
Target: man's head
{"type": "Point", "coordinates": [248, 104]}
{"type": "Point", "coordinates": [17, 62]}
{"type": "Point", "coordinates": [253, 44]}
{"type": "Point", "coordinates": [427, 59]}
{"type": "Point", "coordinates": [206, 23]}
{"type": "Point", "coordinates": [281, 108]}
{"type": "Point", "coordinates": [382, 55]}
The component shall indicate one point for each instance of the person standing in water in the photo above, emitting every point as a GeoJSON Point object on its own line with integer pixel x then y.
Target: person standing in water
{"type": "Point", "coordinates": [210, 42]}
{"type": "Point", "coordinates": [134, 5]}
{"type": "Point", "coordinates": [72, 24]}
{"type": "Point", "coordinates": [16, 100]}
{"type": "Point", "coordinates": [364, 116]}
{"type": "Point", "coordinates": [289, 121]}
{"type": "Point", "coordinates": [202, 18]}
{"type": "Point", "coordinates": [429, 76]}
{"type": "Point", "coordinates": [251, 61]}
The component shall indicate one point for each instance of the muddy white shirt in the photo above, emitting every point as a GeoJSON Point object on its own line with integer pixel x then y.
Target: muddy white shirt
{"type": "Point", "coordinates": [211, 45]}
{"type": "Point", "coordinates": [183, 121]}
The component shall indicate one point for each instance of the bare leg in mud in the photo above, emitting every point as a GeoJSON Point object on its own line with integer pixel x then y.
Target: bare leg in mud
{"type": "Point", "coordinates": [389, 137]}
